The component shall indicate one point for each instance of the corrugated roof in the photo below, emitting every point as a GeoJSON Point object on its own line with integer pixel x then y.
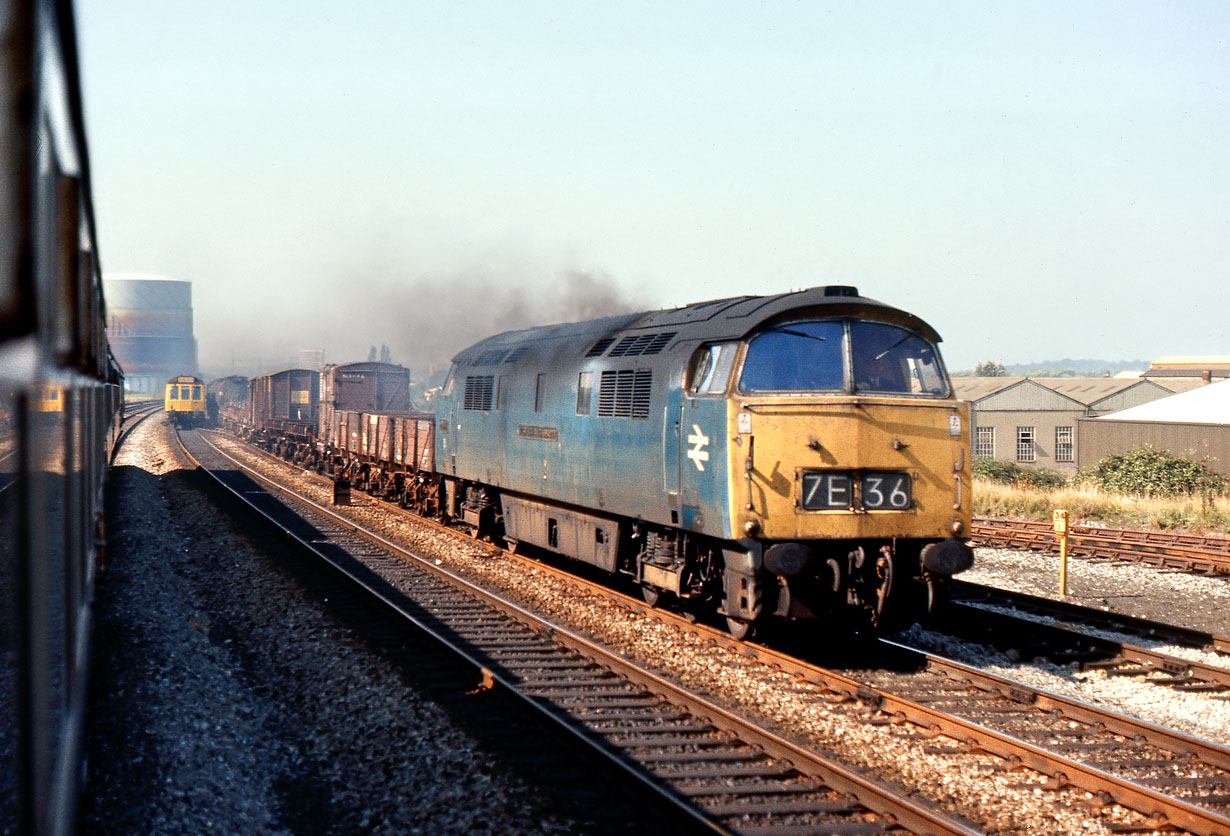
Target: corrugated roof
{"type": "Point", "coordinates": [1084, 390]}
{"type": "Point", "coordinates": [977, 388]}
{"type": "Point", "coordinates": [1087, 390]}
{"type": "Point", "coordinates": [1206, 405]}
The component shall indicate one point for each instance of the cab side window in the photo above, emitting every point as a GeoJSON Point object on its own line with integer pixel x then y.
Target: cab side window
{"type": "Point", "coordinates": [711, 368]}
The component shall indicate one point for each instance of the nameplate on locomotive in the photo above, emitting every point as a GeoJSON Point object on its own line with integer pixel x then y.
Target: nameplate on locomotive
{"type": "Point", "coordinates": [540, 433]}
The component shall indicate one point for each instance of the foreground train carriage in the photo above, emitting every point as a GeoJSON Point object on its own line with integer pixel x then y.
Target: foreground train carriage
{"type": "Point", "coordinates": [60, 402]}
{"type": "Point", "coordinates": [791, 456]}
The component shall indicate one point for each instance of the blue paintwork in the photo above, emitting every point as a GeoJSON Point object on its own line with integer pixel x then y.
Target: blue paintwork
{"type": "Point", "coordinates": [631, 467]}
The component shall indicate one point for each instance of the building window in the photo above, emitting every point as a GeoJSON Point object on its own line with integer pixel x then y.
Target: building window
{"type": "Point", "coordinates": [1063, 444]}
{"type": "Point", "coordinates": [984, 442]}
{"type": "Point", "coordinates": [1025, 444]}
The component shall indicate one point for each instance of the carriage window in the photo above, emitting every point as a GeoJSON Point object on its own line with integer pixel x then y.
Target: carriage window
{"type": "Point", "coordinates": [183, 393]}
{"type": "Point", "coordinates": [196, 393]}
{"type": "Point", "coordinates": [795, 357]}
{"type": "Point", "coordinates": [712, 371]}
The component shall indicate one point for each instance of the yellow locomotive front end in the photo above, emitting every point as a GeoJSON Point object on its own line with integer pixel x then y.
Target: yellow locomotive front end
{"type": "Point", "coordinates": [849, 469]}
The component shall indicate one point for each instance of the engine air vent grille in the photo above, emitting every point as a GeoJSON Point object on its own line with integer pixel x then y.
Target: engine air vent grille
{"type": "Point", "coordinates": [478, 392]}
{"type": "Point", "coordinates": [642, 344]}
{"type": "Point", "coordinates": [625, 393]}
{"type": "Point", "coordinates": [599, 347]}
{"type": "Point", "coordinates": [490, 357]}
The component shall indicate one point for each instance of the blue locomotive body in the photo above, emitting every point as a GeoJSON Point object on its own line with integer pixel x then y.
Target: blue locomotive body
{"type": "Point", "coordinates": [798, 455]}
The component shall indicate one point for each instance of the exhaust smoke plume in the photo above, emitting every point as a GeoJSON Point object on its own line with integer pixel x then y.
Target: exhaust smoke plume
{"type": "Point", "coordinates": [424, 320]}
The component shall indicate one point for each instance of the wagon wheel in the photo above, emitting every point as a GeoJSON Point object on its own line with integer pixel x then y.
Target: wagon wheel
{"type": "Point", "coordinates": [740, 629]}
{"type": "Point", "coordinates": [512, 546]}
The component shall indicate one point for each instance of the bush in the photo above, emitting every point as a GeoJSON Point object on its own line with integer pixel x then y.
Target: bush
{"type": "Point", "coordinates": [1011, 473]}
{"type": "Point", "coordinates": [1146, 471]}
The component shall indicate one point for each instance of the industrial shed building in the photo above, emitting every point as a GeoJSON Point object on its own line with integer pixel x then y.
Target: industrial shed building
{"type": "Point", "coordinates": [1183, 373]}
{"type": "Point", "coordinates": [1195, 423]}
{"type": "Point", "coordinates": [1033, 421]}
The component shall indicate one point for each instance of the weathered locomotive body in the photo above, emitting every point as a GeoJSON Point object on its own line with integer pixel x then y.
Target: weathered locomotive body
{"type": "Point", "coordinates": [799, 455]}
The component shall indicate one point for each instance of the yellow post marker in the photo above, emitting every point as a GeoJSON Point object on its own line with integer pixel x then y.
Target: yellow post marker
{"type": "Point", "coordinates": [1060, 520]}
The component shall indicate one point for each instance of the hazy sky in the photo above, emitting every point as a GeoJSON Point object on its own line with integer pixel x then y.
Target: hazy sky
{"type": "Point", "coordinates": [1037, 180]}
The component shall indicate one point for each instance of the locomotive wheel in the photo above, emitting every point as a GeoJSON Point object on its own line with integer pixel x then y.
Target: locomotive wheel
{"type": "Point", "coordinates": [651, 594]}
{"type": "Point", "coordinates": [740, 629]}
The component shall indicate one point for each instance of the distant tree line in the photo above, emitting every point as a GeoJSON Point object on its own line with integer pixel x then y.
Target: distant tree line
{"type": "Point", "coordinates": [1055, 368]}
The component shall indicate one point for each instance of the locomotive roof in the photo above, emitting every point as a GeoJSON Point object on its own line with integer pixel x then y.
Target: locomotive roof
{"type": "Point", "coordinates": [718, 319]}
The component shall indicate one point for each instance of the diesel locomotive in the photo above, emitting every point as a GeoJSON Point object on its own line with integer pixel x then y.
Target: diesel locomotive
{"type": "Point", "coordinates": [790, 457]}
{"type": "Point", "coordinates": [796, 456]}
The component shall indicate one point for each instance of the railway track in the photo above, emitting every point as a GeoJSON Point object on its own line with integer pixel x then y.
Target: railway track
{"type": "Point", "coordinates": [971, 601]}
{"type": "Point", "coordinates": [711, 765]}
{"type": "Point", "coordinates": [1116, 758]}
{"type": "Point", "coordinates": [1206, 554]}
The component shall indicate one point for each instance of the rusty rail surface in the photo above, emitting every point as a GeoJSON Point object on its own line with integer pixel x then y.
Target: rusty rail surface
{"type": "Point", "coordinates": [1202, 554]}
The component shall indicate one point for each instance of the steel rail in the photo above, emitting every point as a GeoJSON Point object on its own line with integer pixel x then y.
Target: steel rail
{"type": "Point", "coordinates": [968, 597]}
{"type": "Point", "coordinates": [1067, 611]}
{"type": "Point", "coordinates": [1206, 554]}
{"type": "Point", "coordinates": [871, 793]}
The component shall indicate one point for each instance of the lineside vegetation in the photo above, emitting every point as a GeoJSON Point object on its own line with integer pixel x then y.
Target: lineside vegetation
{"type": "Point", "coordinates": [1144, 488]}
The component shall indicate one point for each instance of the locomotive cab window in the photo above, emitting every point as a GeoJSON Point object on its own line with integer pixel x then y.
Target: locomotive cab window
{"type": "Point", "coordinates": [711, 368]}
{"type": "Point", "coordinates": [796, 357]}
{"type": "Point", "coordinates": [894, 360]}
{"type": "Point", "coordinates": [857, 356]}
